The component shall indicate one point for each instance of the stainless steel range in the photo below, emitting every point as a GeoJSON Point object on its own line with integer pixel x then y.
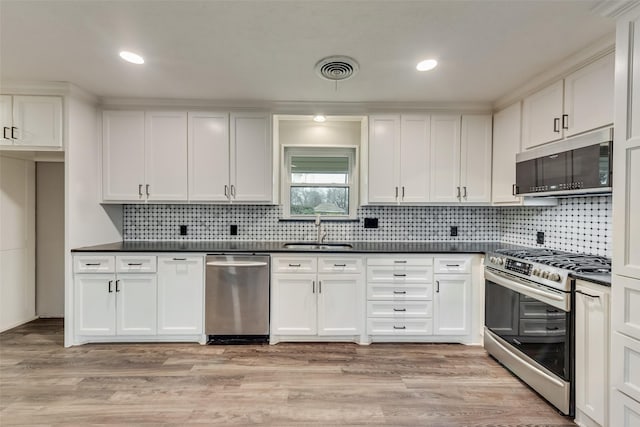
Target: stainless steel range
{"type": "Point", "coordinates": [529, 320]}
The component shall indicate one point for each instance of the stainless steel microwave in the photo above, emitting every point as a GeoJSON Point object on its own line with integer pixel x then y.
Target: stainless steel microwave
{"type": "Point", "coordinates": [576, 166]}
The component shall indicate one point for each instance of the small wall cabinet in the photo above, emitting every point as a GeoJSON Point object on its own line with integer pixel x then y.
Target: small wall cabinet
{"type": "Point", "coordinates": [580, 102]}
{"type": "Point", "coordinates": [33, 122]}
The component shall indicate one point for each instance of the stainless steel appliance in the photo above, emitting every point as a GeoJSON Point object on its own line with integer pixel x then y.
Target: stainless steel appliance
{"type": "Point", "coordinates": [237, 298]}
{"type": "Point", "coordinates": [576, 166]}
{"type": "Point", "coordinates": [529, 320]}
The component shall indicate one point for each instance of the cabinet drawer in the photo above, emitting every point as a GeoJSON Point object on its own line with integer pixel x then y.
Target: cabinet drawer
{"type": "Point", "coordinates": [625, 362]}
{"type": "Point", "coordinates": [452, 265]}
{"type": "Point", "coordinates": [136, 264]}
{"type": "Point", "coordinates": [384, 274]}
{"type": "Point", "coordinates": [542, 328]}
{"type": "Point", "coordinates": [294, 265]}
{"type": "Point", "coordinates": [381, 326]}
{"type": "Point", "coordinates": [400, 309]}
{"type": "Point", "coordinates": [397, 292]}
{"type": "Point", "coordinates": [94, 264]}
{"type": "Point", "coordinates": [339, 265]}
{"type": "Point", "coordinates": [400, 261]}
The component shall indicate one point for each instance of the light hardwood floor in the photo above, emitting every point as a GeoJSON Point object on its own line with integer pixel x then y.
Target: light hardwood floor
{"type": "Point", "coordinates": [42, 383]}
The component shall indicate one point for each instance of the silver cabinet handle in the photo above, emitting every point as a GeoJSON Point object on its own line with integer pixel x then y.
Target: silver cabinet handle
{"type": "Point", "coordinates": [465, 192]}
{"type": "Point", "coordinates": [313, 286]}
{"type": "Point", "coordinates": [4, 132]}
{"type": "Point", "coordinates": [399, 275]}
{"type": "Point", "coordinates": [556, 124]}
{"type": "Point", "coordinates": [117, 285]}
{"type": "Point", "coordinates": [134, 263]}
{"type": "Point", "coordinates": [399, 292]}
{"type": "Point", "coordinates": [586, 294]}
{"type": "Point", "coordinates": [294, 265]}
{"type": "Point", "coordinates": [92, 264]}
{"type": "Point", "coordinates": [399, 309]}
{"type": "Point", "coordinates": [565, 121]}
{"type": "Point", "coordinates": [147, 189]}
{"type": "Point", "coordinates": [140, 190]}
{"type": "Point", "coordinates": [453, 265]}
{"type": "Point", "coordinates": [319, 286]}
{"type": "Point", "coordinates": [437, 286]}
{"type": "Point", "coordinates": [179, 259]}
{"type": "Point", "coordinates": [513, 189]}
{"type": "Point", "coordinates": [396, 192]}
{"type": "Point", "coordinates": [400, 261]}
{"type": "Point", "coordinates": [226, 191]}
{"type": "Point", "coordinates": [399, 327]}
{"type": "Point", "coordinates": [458, 196]}
{"type": "Point", "coordinates": [339, 265]}
{"type": "Point", "coordinates": [403, 192]}
{"type": "Point", "coordinates": [109, 287]}
{"type": "Point", "coordinates": [233, 191]}
{"type": "Point", "coordinates": [13, 130]}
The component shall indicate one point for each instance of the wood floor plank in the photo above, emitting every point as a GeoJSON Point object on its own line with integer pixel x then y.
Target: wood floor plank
{"type": "Point", "coordinates": [319, 384]}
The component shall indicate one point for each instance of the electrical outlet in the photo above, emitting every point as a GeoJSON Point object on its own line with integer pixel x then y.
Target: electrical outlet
{"type": "Point", "coordinates": [183, 230]}
{"type": "Point", "coordinates": [233, 230]}
{"type": "Point", "coordinates": [540, 237]}
{"type": "Point", "coordinates": [454, 231]}
{"type": "Point", "coordinates": [371, 223]}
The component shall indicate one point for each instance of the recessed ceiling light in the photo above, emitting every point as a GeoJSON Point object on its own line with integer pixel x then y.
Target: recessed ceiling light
{"type": "Point", "coordinates": [319, 118]}
{"type": "Point", "coordinates": [134, 58]}
{"type": "Point", "coordinates": [426, 65]}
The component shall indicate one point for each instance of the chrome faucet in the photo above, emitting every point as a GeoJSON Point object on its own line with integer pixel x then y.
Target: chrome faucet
{"type": "Point", "coordinates": [321, 235]}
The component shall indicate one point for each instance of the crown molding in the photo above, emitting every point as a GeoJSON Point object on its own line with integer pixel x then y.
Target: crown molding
{"type": "Point", "coordinates": [20, 87]}
{"type": "Point", "coordinates": [613, 9]}
{"type": "Point", "coordinates": [593, 52]}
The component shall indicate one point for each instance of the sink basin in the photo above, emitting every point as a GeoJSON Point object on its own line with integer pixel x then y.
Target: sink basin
{"type": "Point", "coordinates": [318, 246]}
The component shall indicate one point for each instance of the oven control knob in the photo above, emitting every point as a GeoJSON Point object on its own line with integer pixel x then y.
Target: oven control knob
{"type": "Point", "coordinates": [555, 277]}
{"type": "Point", "coordinates": [536, 272]}
{"type": "Point", "coordinates": [493, 260]}
{"type": "Point", "coordinates": [545, 275]}
{"type": "Point", "coordinates": [500, 261]}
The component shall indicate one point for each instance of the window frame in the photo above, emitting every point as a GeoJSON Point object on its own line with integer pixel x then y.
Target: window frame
{"type": "Point", "coordinates": [349, 151]}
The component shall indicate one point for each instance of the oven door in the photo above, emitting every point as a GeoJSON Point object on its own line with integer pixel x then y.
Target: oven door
{"type": "Point", "coordinates": [536, 324]}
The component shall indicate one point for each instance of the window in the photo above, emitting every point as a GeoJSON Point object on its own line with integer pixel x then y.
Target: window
{"type": "Point", "coordinates": [319, 181]}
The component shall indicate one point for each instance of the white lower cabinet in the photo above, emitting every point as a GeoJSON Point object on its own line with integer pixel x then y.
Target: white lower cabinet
{"type": "Point", "coordinates": [592, 353]}
{"type": "Point", "coordinates": [123, 296]}
{"type": "Point", "coordinates": [625, 412]}
{"type": "Point", "coordinates": [180, 295]}
{"type": "Point", "coordinates": [311, 304]}
{"type": "Point", "coordinates": [452, 304]}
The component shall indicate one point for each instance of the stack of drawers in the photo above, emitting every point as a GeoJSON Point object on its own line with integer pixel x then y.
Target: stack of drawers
{"type": "Point", "coordinates": [400, 295]}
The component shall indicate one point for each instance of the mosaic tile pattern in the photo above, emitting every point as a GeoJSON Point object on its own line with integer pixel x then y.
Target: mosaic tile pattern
{"type": "Point", "coordinates": [577, 224]}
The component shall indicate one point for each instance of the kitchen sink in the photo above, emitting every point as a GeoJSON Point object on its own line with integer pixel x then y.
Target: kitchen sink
{"type": "Point", "coordinates": [318, 246]}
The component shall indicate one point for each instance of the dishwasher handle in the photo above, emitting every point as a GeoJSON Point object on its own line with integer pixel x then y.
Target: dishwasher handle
{"type": "Point", "coordinates": [236, 264]}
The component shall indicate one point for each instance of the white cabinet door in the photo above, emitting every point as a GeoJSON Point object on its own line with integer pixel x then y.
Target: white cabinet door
{"type": "Point", "coordinates": [208, 156]}
{"type": "Point", "coordinates": [166, 156]}
{"type": "Point", "coordinates": [251, 158]}
{"type": "Point", "coordinates": [452, 304]}
{"type": "Point", "coordinates": [38, 120]}
{"type": "Point", "coordinates": [180, 295]}
{"type": "Point", "coordinates": [137, 304]}
{"type": "Point", "coordinates": [293, 304]}
{"type": "Point", "coordinates": [592, 349]}
{"type": "Point", "coordinates": [625, 412]}
{"type": "Point", "coordinates": [6, 119]}
{"type": "Point", "coordinates": [340, 302]}
{"type": "Point", "coordinates": [95, 304]}
{"type": "Point", "coordinates": [541, 116]}
{"type": "Point", "coordinates": [588, 97]}
{"type": "Point", "coordinates": [475, 159]}
{"type": "Point", "coordinates": [445, 158]}
{"type": "Point", "coordinates": [384, 163]}
{"type": "Point", "coordinates": [415, 149]}
{"type": "Point", "coordinates": [123, 156]}
{"type": "Point", "coordinates": [506, 144]}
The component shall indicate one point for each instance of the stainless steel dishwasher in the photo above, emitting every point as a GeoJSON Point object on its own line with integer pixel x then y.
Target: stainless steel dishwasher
{"type": "Point", "coordinates": [237, 298]}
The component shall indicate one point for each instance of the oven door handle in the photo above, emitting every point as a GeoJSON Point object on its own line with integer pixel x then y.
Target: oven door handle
{"type": "Point", "coordinates": [517, 285]}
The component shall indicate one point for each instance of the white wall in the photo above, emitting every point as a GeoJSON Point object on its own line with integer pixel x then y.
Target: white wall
{"type": "Point", "coordinates": [298, 132]}
{"type": "Point", "coordinates": [50, 239]}
{"type": "Point", "coordinates": [17, 241]}
{"type": "Point", "coordinates": [87, 221]}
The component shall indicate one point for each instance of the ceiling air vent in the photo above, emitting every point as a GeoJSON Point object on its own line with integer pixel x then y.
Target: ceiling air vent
{"type": "Point", "coordinates": [337, 68]}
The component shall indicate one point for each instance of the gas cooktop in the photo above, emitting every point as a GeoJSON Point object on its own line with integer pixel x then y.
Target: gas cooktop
{"type": "Point", "coordinates": [579, 263]}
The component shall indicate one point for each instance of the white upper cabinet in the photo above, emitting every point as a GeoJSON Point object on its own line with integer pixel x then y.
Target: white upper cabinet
{"type": "Point", "coordinates": [581, 102]}
{"type": "Point", "coordinates": [208, 156]}
{"type": "Point", "coordinates": [475, 159]}
{"type": "Point", "coordinates": [506, 144]}
{"type": "Point", "coordinates": [588, 97]}
{"type": "Point", "coordinates": [445, 158]}
{"type": "Point", "coordinates": [251, 177]}
{"type": "Point", "coordinates": [31, 121]}
{"type": "Point", "coordinates": [166, 156]}
{"type": "Point", "coordinates": [399, 150]}
{"type": "Point", "coordinates": [461, 159]}
{"type": "Point", "coordinates": [541, 116]}
{"type": "Point", "coordinates": [123, 156]}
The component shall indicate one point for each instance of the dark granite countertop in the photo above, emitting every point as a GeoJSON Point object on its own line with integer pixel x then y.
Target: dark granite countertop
{"type": "Point", "coordinates": [273, 247]}
{"type": "Point", "coordinates": [600, 279]}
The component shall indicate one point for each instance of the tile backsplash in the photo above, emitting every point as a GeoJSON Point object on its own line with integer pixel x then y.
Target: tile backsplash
{"type": "Point", "coordinates": [577, 224]}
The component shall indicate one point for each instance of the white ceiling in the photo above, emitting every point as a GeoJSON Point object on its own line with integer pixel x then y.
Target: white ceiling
{"type": "Point", "coordinates": [266, 50]}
